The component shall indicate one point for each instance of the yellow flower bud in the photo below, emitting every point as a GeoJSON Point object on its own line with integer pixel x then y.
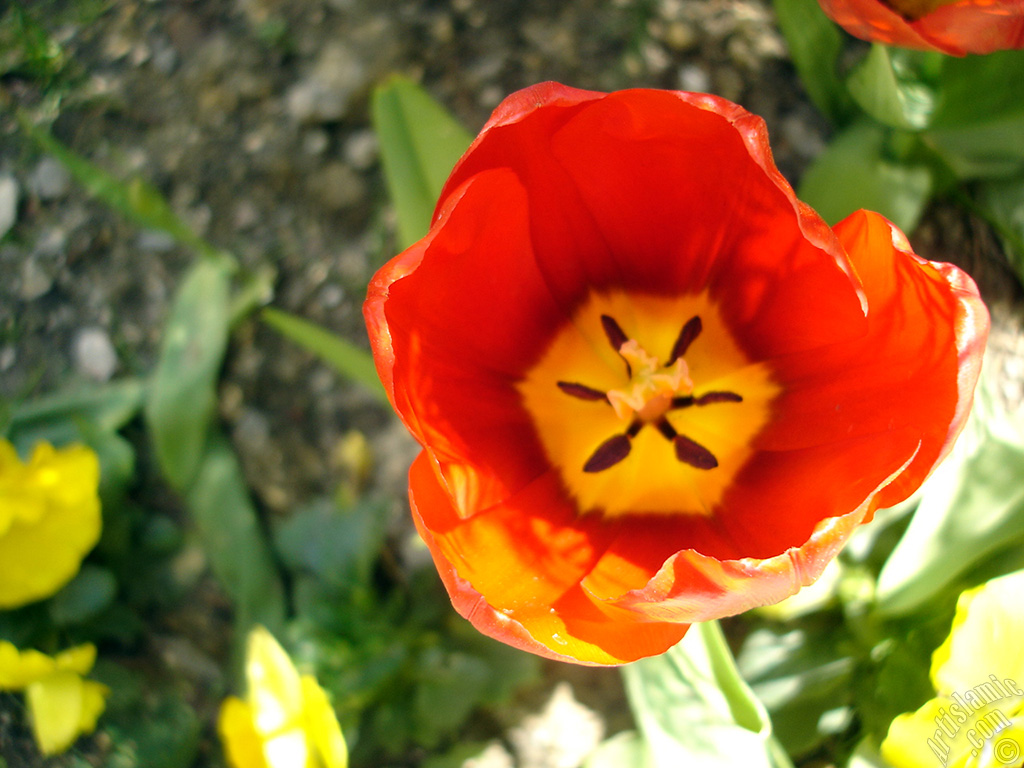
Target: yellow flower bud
{"type": "Point", "coordinates": [285, 721]}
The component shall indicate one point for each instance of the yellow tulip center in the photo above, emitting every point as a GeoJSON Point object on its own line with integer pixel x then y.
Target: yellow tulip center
{"type": "Point", "coordinates": [646, 404]}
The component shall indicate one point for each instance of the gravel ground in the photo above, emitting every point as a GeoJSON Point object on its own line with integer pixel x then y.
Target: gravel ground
{"type": "Point", "coordinates": [251, 117]}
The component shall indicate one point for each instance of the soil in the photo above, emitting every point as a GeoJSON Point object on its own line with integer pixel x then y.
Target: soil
{"type": "Point", "coordinates": [252, 118]}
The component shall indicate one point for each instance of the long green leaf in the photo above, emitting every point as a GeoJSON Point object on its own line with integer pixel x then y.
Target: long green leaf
{"type": "Point", "coordinates": [799, 674]}
{"type": "Point", "coordinates": [888, 95]}
{"type": "Point", "coordinates": [979, 125]}
{"type": "Point", "coordinates": [815, 45]}
{"type": "Point", "coordinates": [182, 395]}
{"type": "Point", "coordinates": [343, 356]}
{"type": "Point", "coordinates": [136, 199]}
{"type": "Point", "coordinates": [419, 144]}
{"type": "Point", "coordinates": [853, 172]}
{"type": "Point", "coordinates": [693, 708]}
{"type": "Point", "coordinates": [108, 407]}
{"type": "Point", "coordinates": [230, 534]}
{"type": "Point", "coordinates": [1002, 202]}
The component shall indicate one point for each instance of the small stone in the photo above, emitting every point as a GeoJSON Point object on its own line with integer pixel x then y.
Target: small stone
{"type": "Point", "coordinates": [8, 356]}
{"type": "Point", "coordinates": [694, 78]}
{"type": "Point", "coordinates": [52, 242]}
{"type": "Point", "coordinates": [336, 186]}
{"type": "Point", "coordinates": [246, 215]}
{"type": "Point", "coordinates": [35, 280]}
{"type": "Point", "coordinates": [680, 36]}
{"type": "Point", "coordinates": [315, 142]}
{"type": "Point", "coordinates": [154, 241]}
{"type": "Point", "coordinates": [325, 93]}
{"type": "Point", "coordinates": [8, 202]}
{"type": "Point", "coordinates": [361, 149]}
{"type": "Point", "coordinates": [331, 296]}
{"type": "Point", "coordinates": [802, 137]}
{"type": "Point", "coordinates": [561, 736]}
{"type": "Point", "coordinates": [94, 354]}
{"type": "Point", "coordinates": [495, 756]}
{"type": "Point", "coordinates": [49, 180]}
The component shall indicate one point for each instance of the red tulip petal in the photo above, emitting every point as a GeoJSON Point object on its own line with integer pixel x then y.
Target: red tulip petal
{"type": "Point", "coordinates": [566, 634]}
{"type": "Point", "coordinates": [874, 20]}
{"type": "Point", "coordinates": [525, 552]}
{"type": "Point", "coordinates": [969, 26]}
{"type": "Point", "coordinates": [772, 265]}
{"type": "Point", "coordinates": [975, 26]}
{"type": "Point", "coordinates": [449, 342]}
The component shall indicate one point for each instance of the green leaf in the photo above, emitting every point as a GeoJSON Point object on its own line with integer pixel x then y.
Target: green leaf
{"type": "Point", "coordinates": [182, 395]}
{"type": "Point", "coordinates": [230, 533]}
{"type": "Point", "coordinates": [159, 731]}
{"type": "Point", "coordinates": [970, 509]}
{"type": "Point", "coordinates": [800, 675]}
{"type": "Point", "coordinates": [1002, 202]}
{"type": "Point", "coordinates": [981, 88]}
{"type": "Point", "coordinates": [693, 708]}
{"type": "Point", "coordinates": [855, 172]}
{"type": "Point", "coordinates": [419, 145]}
{"type": "Point", "coordinates": [978, 126]}
{"type": "Point", "coordinates": [343, 356]}
{"type": "Point", "coordinates": [340, 546]}
{"type": "Point", "coordinates": [107, 408]}
{"type": "Point", "coordinates": [136, 199]}
{"type": "Point", "coordinates": [449, 686]}
{"type": "Point", "coordinates": [92, 590]}
{"type": "Point", "coordinates": [892, 96]}
{"type": "Point", "coordinates": [815, 45]}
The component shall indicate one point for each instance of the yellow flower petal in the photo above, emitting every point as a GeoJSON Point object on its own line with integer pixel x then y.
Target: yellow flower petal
{"type": "Point", "coordinates": [79, 659]}
{"type": "Point", "coordinates": [275, 693]}
{"type": "Point", "coordinates": [62, 707]}
{"type": "Point", "coordinates": [322, 725]}
{"type": "Point", "coordinates": [242, 745]}
{"type": "Point", "coordinates": [19, 668]}
{"type": "Point", "coordinates": [286, 720]}
{"type": "Point", "coordinates": [983, 647]}
{"type": "Point", "coordinates": [49, 519]}
{"type": "Point", "coordinates": [94, 701]}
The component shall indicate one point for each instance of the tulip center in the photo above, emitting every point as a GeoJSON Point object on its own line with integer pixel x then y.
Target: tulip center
{"type": "Point", "coordinates": [915, 9]}
{"type": "Point", "coordinates": [646, 405]}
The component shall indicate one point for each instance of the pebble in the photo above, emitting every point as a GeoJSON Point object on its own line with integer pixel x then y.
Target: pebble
{"type": "Point", "coordinates": [324, 95]}
{"type": "Point", "coordinates": [154, 241]}
{"type": "Point", "coordinates": [694, 78]}
{"type": "Point", "coordinates": [35, 280]}
{"type": "Point", "coordinates": [336, 186]}
{"type": "Point", "coordinates": [94, 354]}
{"type": "Point", "coordinates": [361, 149]}
{"type": "Point", "coordinates": [561, 736]}
{"type": "Point", "coordinates": [8, 202]}
{"type": "Point", "coordinates": [49, 180]}
{"type": "Point", "coordinates": [494, 756]}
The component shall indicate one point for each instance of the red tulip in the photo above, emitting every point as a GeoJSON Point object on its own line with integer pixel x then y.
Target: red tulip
{"type": "Point", "coordinates": [956, 27]}
{"type": "Point", "coordinates": [651, 386]}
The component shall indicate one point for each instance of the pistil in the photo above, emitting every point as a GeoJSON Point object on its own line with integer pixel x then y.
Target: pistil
{"type": "Point", "coordinates": [652, 392]}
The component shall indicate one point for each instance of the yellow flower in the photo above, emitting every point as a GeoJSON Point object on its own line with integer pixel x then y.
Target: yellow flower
{"type": "Point", "coordinates": [976, 719]}
{"type": "Point", "coordinates": [286, 720]}
{"type": "Point", "coordinates": [61, 705]}
{"type": "Point", "coordinates": [49, 519]}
